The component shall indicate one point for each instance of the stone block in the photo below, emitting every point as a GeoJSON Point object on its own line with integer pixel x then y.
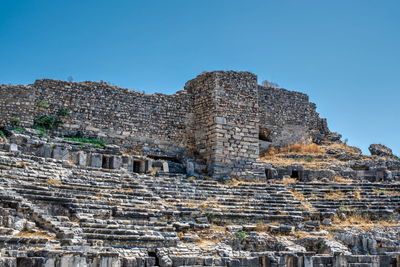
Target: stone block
{"type": "Point", "coordinates": [96, 160]}
{"type": "Point", "coordinates": [149, 165]}
{"type": "Point", "coordinates": [189, 168]}
{"type": "Point", "coordinates": [12, 147]}
{"type": "Point", "coordinates": [60, 153]}
{"type": "Point", "coordinates": [82, 158]}
{"type": "Point", "coordinates": [115, 162]}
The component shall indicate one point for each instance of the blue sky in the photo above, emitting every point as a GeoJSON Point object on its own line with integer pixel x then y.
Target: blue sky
{"type": "Point", "coordinates": [345, 53]}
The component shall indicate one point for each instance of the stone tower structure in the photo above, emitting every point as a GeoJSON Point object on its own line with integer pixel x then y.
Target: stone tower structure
{"type": "Point", "coordinates": [225, 122]}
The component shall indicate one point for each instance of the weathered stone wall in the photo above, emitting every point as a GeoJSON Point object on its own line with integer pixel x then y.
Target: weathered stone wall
{"type": "Point", "coordinates": [114, 114]}
{"type": "Point", "coordinates": [288, 116]}
{"type": "Point", "coordinates": [219, 118]}
{"type": "Point", "coordinates": [225, 111]}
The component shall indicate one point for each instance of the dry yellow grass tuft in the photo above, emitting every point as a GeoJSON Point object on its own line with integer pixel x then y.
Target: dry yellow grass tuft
{"type": "Point", "coordinates": [334, 195]}
{"type": "Point", "coordinates": [40, 234]}
{"type": "Point", "coordinates": [344, 147]}
{"type": "Point", "coordinates": [386, 192]}
{"type": "Point", "coordinates": [357, 194]}
{"type": "Point", "coordinates": [361, 221]}
{"type": "Point", "coordinates": [305, 204]}
{"type": "Point", "coordinates": [339, 179]}
{"type": "Point", "coordinates": [261, 227]}
{"type": "Point", "coordinates": [270, 151]}
{"type": "Point", "coordinates": [302, 148]}
{"type": "Point", "coordinates": [287, 181]}
{"type": "Point", "coordinates": [53, 181]}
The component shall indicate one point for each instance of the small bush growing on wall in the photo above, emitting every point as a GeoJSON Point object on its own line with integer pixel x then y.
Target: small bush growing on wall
{"type": "Point", "coordinates": [92, 141]}
{"type": "Point", "coordinates": [47, 122]}
{"type": "Point", "coordinates": [15, 121]}
{"type": "Point", "coordinates": [19, 129]}
{"type": "Point", "coordinates": [2, 134]}
{"type": "Point", "coordinates": [63, 112]}
{"type": "Point", "coordinates": [241, 235]}
{"type": "Point", "coordinates": [43, 104]}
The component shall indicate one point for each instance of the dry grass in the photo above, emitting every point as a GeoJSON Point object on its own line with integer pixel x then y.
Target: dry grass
{"type": "Point", "coordinates": [53, 181]}
{"type": "Point", "coordinates": [287, 181]}
{"type": "Point", "coordinates": [209, 203]}
{"type": "Point", "coordinates": [305, 204]}
{"type": "Point", "coordinates": [386, 192]}
{"type": "Point", "coordinates": [261, 227]}
{"type": "Point", "coordinates": [344, 147]}
{"type": "Point", "coordinates": [339, 179]}
{"type": "Point", "coordinates": [357, 194]}
{"type": "Point", "coordinates": [334, 195]}
{"type": "Point", "coordinates": [39, 234]}
{"type": "Point", "coordinates": [123, 189]}
{"type": "Point", "coordinates": [302, 148]}
{"type": "Point", "coordinates": [360, 221]}
{"type": "Point", "coordinates": [270, 151]}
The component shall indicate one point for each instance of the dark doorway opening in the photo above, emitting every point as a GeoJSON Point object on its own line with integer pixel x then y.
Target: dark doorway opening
{"type": "Point", "coordinates": [106, 163]}
{"type": "Point", "coordinates": [154, 255]}
{"type": "Point", "coordinates": [136, 166]}
{"type": "Point", "coordinates": [295, 174]}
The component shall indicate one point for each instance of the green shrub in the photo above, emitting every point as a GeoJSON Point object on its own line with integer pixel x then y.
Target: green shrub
{"type": "Point", "coordinates": [43, 104]}
{"type": "Point", "coordinates": [15, 121]}
{"type": "Point", "coordinates": [92, 141]}
{"type": "Point", "coordinates": [2, 134]}
{"type": "Point", "coordinates": [47, 122]}
{"type": "Point", "coordinates": [241, 235]}
{"type": "Point", "coordinates": [308, 159]}
{"type": "Point", "coordinates": [42, 131]}
{"type": "Point", "coordinates": [63, 112]}
{"type": "Point", "coordinates": [19, 129]}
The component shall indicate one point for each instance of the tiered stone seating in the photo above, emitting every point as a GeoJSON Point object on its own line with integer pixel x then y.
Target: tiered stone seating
{"type": "Point", "coordinates": [243, 202]}
{"type": "Point", "coordinates": [369, 199]}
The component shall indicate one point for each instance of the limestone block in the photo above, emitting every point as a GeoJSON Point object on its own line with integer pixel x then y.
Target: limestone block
{"type": "Point", "coordinates": [189, 168]}
{"type": "Point", "coordinates": [45, 151]}
{"type": "Point", "coordinates": [115, 162]}
{"type": "Point", "coordinates": [13, 148]}
{"type": "Point", "coordinates": [60, 153]}
{"type": "Point", "coordinates": [220, 120]}
{"type": "Point", "coordinates": [82, 158]}
{"type": "Point", "coordinates": [149, 165]}
{"type": "Point", "coordinates": [96, 160]}
{"type": "Point", "coordinates": [110, 262]}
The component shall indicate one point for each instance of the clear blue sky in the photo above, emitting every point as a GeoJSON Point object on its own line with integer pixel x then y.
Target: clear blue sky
{"type": "Point", "coordinates": [345, 53]}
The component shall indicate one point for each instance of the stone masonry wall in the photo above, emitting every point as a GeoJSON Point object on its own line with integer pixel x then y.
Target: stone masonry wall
{"type": "Point", "coordinates": [288, 116]}
{"type": "Point", "coordinates": [218, 120]}
{"type": "Point", "coordinates": [225, 111]}
{"type": "Point", "coordinates": [117, 115]}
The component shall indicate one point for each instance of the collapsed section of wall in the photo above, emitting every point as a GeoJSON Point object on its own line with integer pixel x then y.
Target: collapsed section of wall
{"type": "Point", "coordinates": [288, 117]}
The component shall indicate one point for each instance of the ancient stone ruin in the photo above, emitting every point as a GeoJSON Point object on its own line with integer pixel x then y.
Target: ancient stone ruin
{"type": "Point", "coordinates": [225, 172]}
